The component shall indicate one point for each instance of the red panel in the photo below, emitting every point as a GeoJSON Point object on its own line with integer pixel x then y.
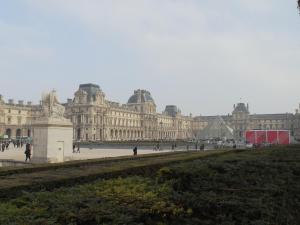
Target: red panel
{"type": "Point", "coordinates": [284, 137]}
{"type": "Point", "coordinates": [250, 136]}
{"type": "Point", "coordinates": [272, 137]}
{"type": "Point", "coordinates": [261, 137]}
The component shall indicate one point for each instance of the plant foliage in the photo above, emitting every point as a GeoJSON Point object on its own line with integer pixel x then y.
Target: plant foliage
{"type": "Point", "coordinates": [250, 187]}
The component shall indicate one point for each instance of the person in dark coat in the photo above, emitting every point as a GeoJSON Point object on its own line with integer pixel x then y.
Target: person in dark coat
{"type": "Point", "coordinates": [28, 152]}
{"type": "Point", "coordinates": [202, 147]}
{"type": "Point", "coordinates": [3, 147]}
{"type": "Point", "coordinates": [135, 151]}
{"type": "Point", "coordinates": [78, 148]}
{"type": "Point", "coordinates": [74, 146]}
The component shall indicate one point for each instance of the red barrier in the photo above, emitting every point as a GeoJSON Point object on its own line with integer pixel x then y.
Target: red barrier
{"type": "Point", "coordinates": [281, 137]}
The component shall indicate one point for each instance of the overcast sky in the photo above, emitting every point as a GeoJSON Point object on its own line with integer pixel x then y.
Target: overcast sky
{"type": "Point", "coordinates": [201, 55]}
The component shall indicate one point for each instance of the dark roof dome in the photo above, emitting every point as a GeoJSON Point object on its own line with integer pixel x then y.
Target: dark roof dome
{"type": "Point", "coordinates": [241, 107]}
{"type": "Point", "coordinates": [140, 96]}
{"type": "Point", "coordinates": [91, 90]}
{"type": "Point", "coordinates": [172, 110]}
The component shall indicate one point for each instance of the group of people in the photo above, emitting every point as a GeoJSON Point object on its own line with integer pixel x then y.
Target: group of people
{"type": "Point", "coordinates": [188, 147]}
{"type": "Point", "coordinates": [4, 145]}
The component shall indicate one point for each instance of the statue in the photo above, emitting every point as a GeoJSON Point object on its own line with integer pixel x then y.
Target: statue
{"type": "Point", "coordinates": [51, 106]}
{"type": "Point", "coordinates": [52, 132]}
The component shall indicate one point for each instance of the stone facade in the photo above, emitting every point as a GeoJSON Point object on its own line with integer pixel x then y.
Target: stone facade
{"type": "Point", "coordinates": [95, 118]}
{"type": "Point", "coordinates": [241, 120]}
{"type": "Point", "coordinates": [16, 118]}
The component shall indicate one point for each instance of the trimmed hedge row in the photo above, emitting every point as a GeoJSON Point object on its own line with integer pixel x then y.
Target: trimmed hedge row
{"type": "Point", "coordinates": [32, 168]}
{"type": "Point", "coordinates": [145, 166]}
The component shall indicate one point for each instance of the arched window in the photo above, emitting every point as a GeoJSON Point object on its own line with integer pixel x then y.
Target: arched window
{"type": "Point", "coordinates": [8, 132]}
{"type": "Point", "coordinates": [78, 134]}
{"type": "Point", "coordinates": [18, 133]}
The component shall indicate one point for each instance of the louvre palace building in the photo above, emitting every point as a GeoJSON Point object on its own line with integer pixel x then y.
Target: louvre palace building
{"type": "Point", "coordinates": [95, 118]}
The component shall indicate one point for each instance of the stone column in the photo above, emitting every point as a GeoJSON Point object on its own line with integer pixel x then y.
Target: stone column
{"type": "Point", "coordinates": [52, 140]}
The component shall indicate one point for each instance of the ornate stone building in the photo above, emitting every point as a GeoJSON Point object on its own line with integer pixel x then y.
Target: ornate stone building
{"type": "Point", "coordinates": [241, 120]}
{"type": "Point", "coordinates": [98, 119]}
{"type": "Point", "coordinates": [16, 119]}
{"type": "Point", "coordinates": [95, 118]}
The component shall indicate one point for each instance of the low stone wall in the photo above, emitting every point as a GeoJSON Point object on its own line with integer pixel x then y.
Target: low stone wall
{"type": "Point", "coordinates": [12, 163]}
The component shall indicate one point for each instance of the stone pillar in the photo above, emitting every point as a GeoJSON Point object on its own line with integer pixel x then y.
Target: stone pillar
{"type": "Point", "coordinates": [52, 140]}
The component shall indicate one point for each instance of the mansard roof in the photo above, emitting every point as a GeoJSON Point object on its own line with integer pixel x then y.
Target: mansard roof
{"type": "Point", "coordinates": [140, 96]}
{"type": "Point", "coordinates": [278, 116]}
{"type": "Point", "coordinates": [90, 89]}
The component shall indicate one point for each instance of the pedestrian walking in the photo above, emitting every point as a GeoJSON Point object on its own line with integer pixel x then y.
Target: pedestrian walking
{"type": "Point", "coordinates": [78, 148]}
{"type": "Point", "coordinates": [202, 146]}
{"type": "Point", "coordinates": [28, 152]}
{"type": "Point", "coordinates": [3, 147]}
{"type": "Point", "coordinates": [135, 151]}
{"type": "Point", "coordinates": [74, 147]}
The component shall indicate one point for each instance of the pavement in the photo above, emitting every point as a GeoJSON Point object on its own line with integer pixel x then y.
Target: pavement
{"type": "Point", "coordinates": [17, 154]}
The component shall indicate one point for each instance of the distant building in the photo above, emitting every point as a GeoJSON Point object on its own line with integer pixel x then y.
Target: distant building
{"type": "Point", "coordinates": [16, 118]}
{"type": "Point", "coordinates": [95, 118]}
{"type": "Point", "coordinates": [241, 120]}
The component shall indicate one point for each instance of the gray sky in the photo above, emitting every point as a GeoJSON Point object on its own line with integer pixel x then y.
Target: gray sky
{"type": "Point", "coordinates": [203, 56]}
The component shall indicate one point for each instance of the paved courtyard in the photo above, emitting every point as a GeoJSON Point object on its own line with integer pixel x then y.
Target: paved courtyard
{"type": "Point", "coordinates": [17, 154]}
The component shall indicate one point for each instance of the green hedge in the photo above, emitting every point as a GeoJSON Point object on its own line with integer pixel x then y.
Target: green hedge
{"type": "Point", "coordinates": [236, 188]}
{"type": "Point", "coordinates": [54, 176]}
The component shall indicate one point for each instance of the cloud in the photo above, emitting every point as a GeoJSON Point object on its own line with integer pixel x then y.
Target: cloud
{"type": "Point", "coordinates": [19, 43]}
{"type": "Point", "coordinates": [230, 46]}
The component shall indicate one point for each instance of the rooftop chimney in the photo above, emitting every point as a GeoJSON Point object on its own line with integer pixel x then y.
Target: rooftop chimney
{"type": "Point", "coordinates": [11, 101]}
{"type": "Point", "coordinates": [21, 102]}
{"type": "Point", "coordinates": [29, 103]}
